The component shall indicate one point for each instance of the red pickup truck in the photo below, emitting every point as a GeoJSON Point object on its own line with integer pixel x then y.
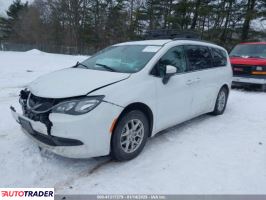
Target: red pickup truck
{"type": "Point", "coordinates": [248, 61]}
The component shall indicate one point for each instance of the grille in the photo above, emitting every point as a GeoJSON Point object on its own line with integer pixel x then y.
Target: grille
{"type": "Point", "coordinates": [42, 104]}
{"type": "Point", "coordinates": [242, 70]}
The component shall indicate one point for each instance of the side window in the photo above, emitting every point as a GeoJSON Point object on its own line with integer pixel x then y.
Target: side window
{"type": "Point", "coordinates": [175, 57]}
{"type": "Point", "coordinates": [199, 57]}
{"type": "Point", "coordinates": [219, 57]}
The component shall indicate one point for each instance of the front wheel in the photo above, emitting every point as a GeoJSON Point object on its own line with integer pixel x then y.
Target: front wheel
{"type": "Point", "coordinates": [263, 87]}
{"type": "Point", "coordinates": [129, 136]}
{"type": "Point", "coordinates": [221, 102]}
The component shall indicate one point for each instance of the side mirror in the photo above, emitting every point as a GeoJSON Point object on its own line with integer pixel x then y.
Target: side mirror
{"type": "Point", "coordinates": [170, 71]}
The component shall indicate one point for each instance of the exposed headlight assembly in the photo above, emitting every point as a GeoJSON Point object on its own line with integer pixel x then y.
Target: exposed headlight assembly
{"type": "Point", "coordinates": [78, 106]}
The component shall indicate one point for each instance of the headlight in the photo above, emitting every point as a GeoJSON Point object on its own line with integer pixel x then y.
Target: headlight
{"type": "Point", "coordinates": [78, 106]}
{"type": "Point", "coordinates": [259, 68]}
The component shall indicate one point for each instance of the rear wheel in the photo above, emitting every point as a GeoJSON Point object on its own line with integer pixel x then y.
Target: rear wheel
{"type": "Point", "coordinates": [129, 136]}
{"type": "Point", "coordinates": [221, 102]}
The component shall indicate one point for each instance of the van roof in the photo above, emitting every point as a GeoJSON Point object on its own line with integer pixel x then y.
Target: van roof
{"type": "Point", "coordinates": [146, 42]}
{"type": "Point", "coordinates": [164, 41]}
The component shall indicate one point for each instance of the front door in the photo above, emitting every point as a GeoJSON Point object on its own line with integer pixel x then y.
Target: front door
{"type": "Point", "coordinates": [174, 98]}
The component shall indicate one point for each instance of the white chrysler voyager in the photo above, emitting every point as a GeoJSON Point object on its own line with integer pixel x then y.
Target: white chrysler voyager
{"type": "Point", "coordinates": [115, 100]}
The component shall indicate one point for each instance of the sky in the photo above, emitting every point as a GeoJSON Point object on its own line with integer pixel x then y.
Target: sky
{"type": "Point", "coordinates": [4, 4]}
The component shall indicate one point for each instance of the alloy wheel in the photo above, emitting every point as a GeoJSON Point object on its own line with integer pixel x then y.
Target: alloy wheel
{"type": "Point", "coordinates": [221, 100]}
{"type": "Point", "coordinates": [132, 136]}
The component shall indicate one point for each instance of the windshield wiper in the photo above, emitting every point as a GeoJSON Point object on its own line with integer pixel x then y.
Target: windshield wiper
{"type": "Point", "coordinates": [106, 67]}
{"type": "Point", "coordinates": [255, 57]}
{"type": "Point", "coordinates": [246, 56]}
{"type": "Point", "coordinates": [78, 63]}
{"type": "Point", "coordinates": [235, 56]}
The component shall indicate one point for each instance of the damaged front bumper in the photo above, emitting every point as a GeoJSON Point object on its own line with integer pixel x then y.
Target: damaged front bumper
{"type": "Point", "coordinates": [38, 131]}
{"type": "Point", "coordinates": [72, 136]}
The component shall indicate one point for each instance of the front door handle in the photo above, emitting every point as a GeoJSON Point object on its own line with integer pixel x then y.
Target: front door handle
{"type": "Point", "coordinates": [190, 82]}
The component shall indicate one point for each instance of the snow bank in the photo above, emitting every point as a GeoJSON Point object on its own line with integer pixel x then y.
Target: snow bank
{"type": "Point", "coordinates": [19, 68]}
{"type": "Point", "coordinates": [34, 52]}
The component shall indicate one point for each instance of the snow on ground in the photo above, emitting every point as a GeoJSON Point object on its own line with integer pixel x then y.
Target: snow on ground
{"type": "Point", "coordinates": [207, 155]}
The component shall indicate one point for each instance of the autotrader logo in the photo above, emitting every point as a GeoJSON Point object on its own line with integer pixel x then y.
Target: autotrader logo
{"type": "Point", "coordinates": [27, 193]}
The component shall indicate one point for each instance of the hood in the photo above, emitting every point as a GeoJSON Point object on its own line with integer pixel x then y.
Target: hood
{"type": "Point", "coordinates": [248, 61]}
{"type": "Point", "coordinates": [73, 82]}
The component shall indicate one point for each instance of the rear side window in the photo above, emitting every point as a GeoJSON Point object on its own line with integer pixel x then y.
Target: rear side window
{"type": "Point", "coordinates": [219, 57]}
{"type": "Point", "coordinates": [198, 57]}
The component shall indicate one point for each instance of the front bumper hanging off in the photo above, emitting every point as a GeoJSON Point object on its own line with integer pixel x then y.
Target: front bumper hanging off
{"type": "Point", "coordinates": [50, 140]}
{"type": "Point", "coordinates": [72, 136]}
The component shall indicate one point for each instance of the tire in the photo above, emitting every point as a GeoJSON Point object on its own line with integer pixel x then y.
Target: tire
{"type": "Point", "coordinates": [263, 88]}
{"type": "Point", "coordinates": [221, 102]}
{"type": "Point", "coordinates": [128, 141]}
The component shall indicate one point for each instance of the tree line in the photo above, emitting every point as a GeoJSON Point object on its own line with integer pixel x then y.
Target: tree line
{"type": "Point", "coordinates": [96, 24]}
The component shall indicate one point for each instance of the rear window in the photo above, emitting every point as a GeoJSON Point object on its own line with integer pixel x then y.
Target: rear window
{"type": "Point", "coordinates": [219, 57]}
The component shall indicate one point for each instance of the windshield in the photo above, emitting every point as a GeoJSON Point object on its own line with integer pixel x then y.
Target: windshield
{"type": "Point", "coordinates": [126, 58]}
{"type": "Point", "coordinates": [249, 51]}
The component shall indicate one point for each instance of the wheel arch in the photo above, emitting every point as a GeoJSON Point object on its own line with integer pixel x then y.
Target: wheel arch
{"type": "Point", "coordinates": [141, 107]}
{"type": "Point", "coordinates": [226, 87]}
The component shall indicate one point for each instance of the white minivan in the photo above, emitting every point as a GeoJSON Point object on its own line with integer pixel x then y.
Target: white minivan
{"type": "Point", "coordinates": [115, 100]}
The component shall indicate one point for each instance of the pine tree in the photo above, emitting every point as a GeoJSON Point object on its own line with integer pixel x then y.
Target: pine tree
{"type": "Point", "coordinates": [14, 11]}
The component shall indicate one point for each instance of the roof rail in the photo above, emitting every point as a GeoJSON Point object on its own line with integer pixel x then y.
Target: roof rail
{"type": "Point", "coordinates": [196, 40]}
{"type": "Point", "coordinates": [174, 35]}
{"type": "Point", "coordinates": [171, 34]}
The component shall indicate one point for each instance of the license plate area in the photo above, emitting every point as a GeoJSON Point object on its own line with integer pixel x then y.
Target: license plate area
{"type": "Point", "coordinates": [26, 125]}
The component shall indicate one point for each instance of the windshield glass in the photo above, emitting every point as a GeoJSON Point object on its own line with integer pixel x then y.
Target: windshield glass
{"type": "Point", "coordinates": [249, 51]}
{"type": "Point", "coordinates": [126, 59]}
